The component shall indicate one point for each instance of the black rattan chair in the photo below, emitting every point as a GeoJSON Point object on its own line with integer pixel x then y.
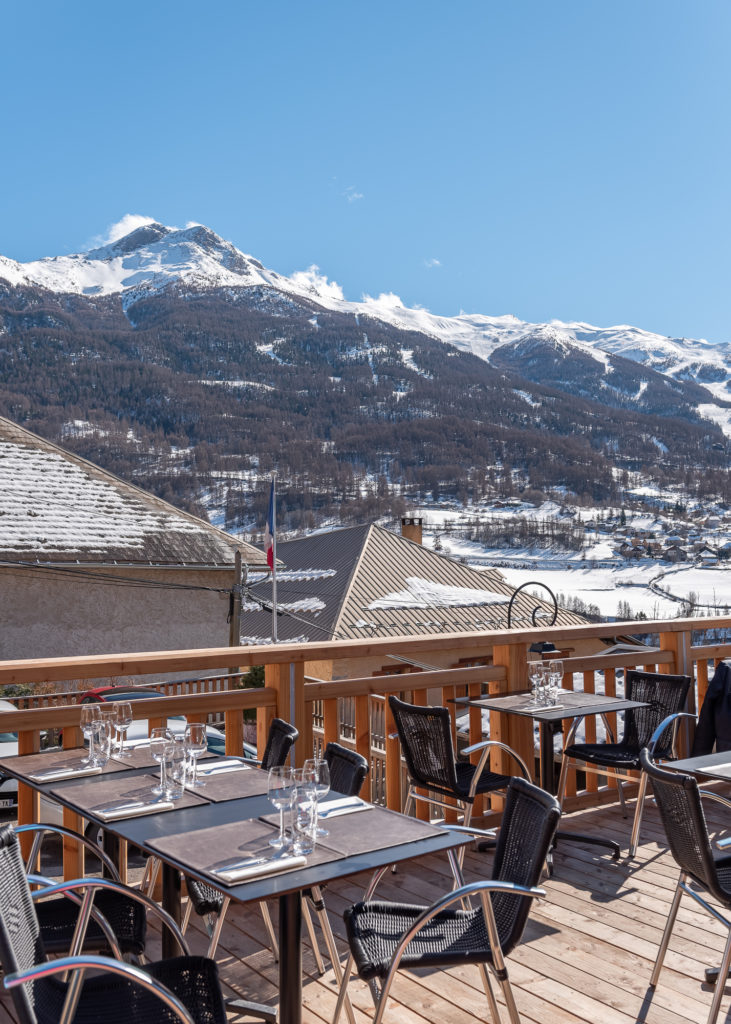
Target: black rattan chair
{"type": "Point", "coordinates": [679, 800]}
{"type": "Point", "coordinates": [664, 695]}
{"type": "Point", "coordinates": [426, 742]}
{"type": "Point", "coordinates": [207, 901]}
{"type": "Point", "coordinates": [181, 989]}
{"type": "Point", "coordinates": [384, 936]}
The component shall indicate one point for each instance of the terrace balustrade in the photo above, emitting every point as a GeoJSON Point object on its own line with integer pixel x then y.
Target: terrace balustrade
{"type": "Point", "coordinates": [354, 711]}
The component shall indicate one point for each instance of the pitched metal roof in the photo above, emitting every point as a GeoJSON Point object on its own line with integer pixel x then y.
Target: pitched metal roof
{"type": "Point", "coordinates": [367, 581]}
{"type": "Point", "coordinates": [56, 507]}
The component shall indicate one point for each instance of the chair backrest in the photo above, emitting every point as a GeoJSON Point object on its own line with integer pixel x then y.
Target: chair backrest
{"type": "Point", "coordinates": [681, 811]}
{"type": "Point", "coordinates": [282, 737]}
{"type": "Point", "coordinates": [528, 825]}
{"type": "Point", "coordinates": [426, 741]}
{"type": "Point", "coordinates": [665, 695]}
{"type": "Point", "coordinates": [20, 940]}
{"type": "Point", "coordinates": [348, 769]}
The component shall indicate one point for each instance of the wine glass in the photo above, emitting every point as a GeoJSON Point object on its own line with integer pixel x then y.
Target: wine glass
{"type": "Point", "coordinates": [159, 739]}
{"type": "Point", "coordinates": [305, 817]}
{"type": "Point", "coordinates": [89, 715]}
{"type": "Point", "coordinates": [123, 720]}
{"type": "Point", "coordinates": [281, 792]}
{"type": "Point", "coordinates": [321, 773]}
{"type": "Point", "coordinates": [102, 733]}
{"type": "Point", "coordinates": [108, 711]}
{"type": "Point", "coordinates": [536, 674]}
{"type": "Point", "coordinates": [555, 677]}
{"type": "Point", "coordinates": [196, 742]}
{"type": "Point", "coordinates": [175, 761]}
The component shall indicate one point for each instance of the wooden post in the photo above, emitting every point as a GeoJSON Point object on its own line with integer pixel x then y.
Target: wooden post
{"type": "Point", "coordinates": [29, 742]}
{"type": "Point", "coordinates": [289, 682]}
{"type": "Point", "coordinates": [73, 853]}
{"type": "Point", "coordinates": [393, 761]}
{"type": "Point", "coordinates": [363, 736]}
{"type": "Point", "coordinates": [234, 726]}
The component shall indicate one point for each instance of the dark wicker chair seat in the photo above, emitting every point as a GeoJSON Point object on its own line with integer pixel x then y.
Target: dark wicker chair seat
{"type": "Point", "coordinates": [614, 755]}
{"type": "Point", "coordinates": [205, 899]}
{"type": "Point", "coordinates": [112, 1000]}
{"type": "Point", "coordinates": [453, 938]}
{"type": "Point", "coordinates": [57, 919]}
{"type": "Point", "coordinates": [487, 783]}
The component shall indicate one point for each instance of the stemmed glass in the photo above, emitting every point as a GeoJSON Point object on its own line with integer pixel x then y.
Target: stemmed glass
{"type": "Point", "coordinates": [108, 711]}
{"type": "Point", "coordinates": [89, 715]}
{"type": "Point", "coordinates": [536, 674]}
{"type": "Point", "coordinates": [305, 817]}
{"type": "Point", "coordinates": [321, 774]}
{"type": "Point", "coordinates": [555, 677]}
{"type": "Point", "coordinates": [196, 742]}
{"type": "Point", "coordinates": [282, 794]}
{"type": "Point", "coordinates": [160, 737]}
{"type": "Point", "coordinates": [122, 720]}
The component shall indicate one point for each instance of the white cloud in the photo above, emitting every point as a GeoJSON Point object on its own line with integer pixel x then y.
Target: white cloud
{"type": "Point", "coordinates": [123, 227]}
{"type": "Point", "coordinates": [351, 195]}
{"type": "Point", "coordinates": [386, 300]}
{"type": "Point", "coordinates": [433, 262]}
{"type": "Point", "coordinates": [314, 281]}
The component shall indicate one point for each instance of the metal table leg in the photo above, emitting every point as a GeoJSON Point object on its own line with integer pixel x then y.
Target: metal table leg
{"type": "Point", "coordinates": [171, 903]}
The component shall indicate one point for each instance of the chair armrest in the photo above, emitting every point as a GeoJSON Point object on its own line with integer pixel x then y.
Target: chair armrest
{"type": "Point", "coordinates": [710, 795]}
{"type": "Point", "coordinates": [85, 885]}
{"type": "Point", "coordinates": [478, 833]}
{"type": "Point", "coordinates": [672, 720]}
{"type": "Point", "coordinates": [79, 964]}
{"type": "Point", "coordinates": [476, 746]}
{"type": "Point", "coordinates": [485, 746]}
{"type": "Point", "coordinates": [40, 831]}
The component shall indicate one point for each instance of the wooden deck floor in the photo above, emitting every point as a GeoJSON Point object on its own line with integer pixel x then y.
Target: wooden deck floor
{"type": "Point", "coordinates": [586, 955]}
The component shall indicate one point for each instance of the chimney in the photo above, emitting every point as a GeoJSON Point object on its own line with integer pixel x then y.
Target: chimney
{"type": "Point", "coordinates": [411, 528]}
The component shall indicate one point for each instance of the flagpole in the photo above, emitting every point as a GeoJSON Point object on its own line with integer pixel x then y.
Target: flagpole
{"type": "Point", "coordinates": [274, 557]}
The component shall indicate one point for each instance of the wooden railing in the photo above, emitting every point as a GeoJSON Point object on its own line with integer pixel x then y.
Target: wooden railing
{"type": "Point", "coordinates": [354, 710]}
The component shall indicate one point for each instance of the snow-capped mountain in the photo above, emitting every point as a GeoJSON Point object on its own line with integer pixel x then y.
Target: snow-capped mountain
{"type": "Point", "coordinates": [154, 257]}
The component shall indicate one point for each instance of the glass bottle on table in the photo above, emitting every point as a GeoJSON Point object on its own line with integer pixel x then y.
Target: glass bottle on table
{"type": "Point", "coordinates": [555, 678]}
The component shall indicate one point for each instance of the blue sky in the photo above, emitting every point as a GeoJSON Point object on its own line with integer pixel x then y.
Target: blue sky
{"type": "Point", "coordinates": [565, 160]}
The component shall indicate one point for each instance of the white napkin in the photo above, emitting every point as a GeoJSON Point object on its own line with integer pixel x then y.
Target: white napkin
{"type": "Point", "coordinates": [221, 767]}
{"type": "Point", "coordinates": [132, 809]}
{"type": "Point", "coordinates": [257, 867]}
{"type": "Point", "coordinates": [56, 774]}
{"type": "Point", "coordinates": [344, 805]}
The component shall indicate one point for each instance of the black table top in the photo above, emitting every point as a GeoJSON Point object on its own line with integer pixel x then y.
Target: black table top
{"type": "Point", "coordinates": [713, 766]}
{"type": "Point", "coordinates": [139, 830]}
{"type": "Point", "coordinates": [571, 704]}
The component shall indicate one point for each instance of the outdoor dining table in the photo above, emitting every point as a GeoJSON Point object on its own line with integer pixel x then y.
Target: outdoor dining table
{"type": "Point", "coordinates": [364, 841]}
{"type": "Point", "coordinates": [570, 704]}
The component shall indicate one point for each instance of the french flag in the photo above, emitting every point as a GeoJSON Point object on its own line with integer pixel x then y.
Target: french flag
{"type": "Point", "coordinates": [269, 532]}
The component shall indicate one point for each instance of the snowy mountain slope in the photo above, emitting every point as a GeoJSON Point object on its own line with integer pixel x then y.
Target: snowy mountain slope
{"type": "Point", "coordinates": [153, 257]}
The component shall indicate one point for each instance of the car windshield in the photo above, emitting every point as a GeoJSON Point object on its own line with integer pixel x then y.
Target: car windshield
{"type": "Point", "coordinates": [8, 737]}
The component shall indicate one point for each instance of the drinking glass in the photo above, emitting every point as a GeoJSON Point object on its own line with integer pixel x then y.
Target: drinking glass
{"type": "Point", "coordinates": [89, 715]}
{"type": "Point", "coordinates": [123, 720]}
{"type": "Point", "coordinates": [321, 772]}
{"type": "Point", "coordinates": [174, 767]}
{"type": "Point", "coordinates": [108, 711]}
{"type": "Point", "coordinates": [282, 793]}
{"type": "Point", "coordinates": [555, 677]}
{"type": "Point", "coordinates": [305, 815]}
{"type": "Point", "coordinates": [196, 743]}
{"type": "Point", "coordinates": [102, 733]}
{"type": "Point", "coordinates": [536, 674]}
{"type": "Point", "coordinates": [159, 739]}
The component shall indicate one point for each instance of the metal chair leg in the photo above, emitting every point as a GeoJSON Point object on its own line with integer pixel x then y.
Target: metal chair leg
{"type": "Point", "coordinates": [492, 1002]}
{"type": "Point", "coordinates": [667, 932]}
{"type": "Point", "coordinates": [332, 949]}
{"type": "Point", "coordinates": [267, 918]}
{"type": "Point", "coordinates": [313, 938]}
{"type": "Point", "coordinates": [343, 989]}
{"type": "Point", "coordinates": [721, 983]}
{"type": "Point", "coordinates": [635, 839]}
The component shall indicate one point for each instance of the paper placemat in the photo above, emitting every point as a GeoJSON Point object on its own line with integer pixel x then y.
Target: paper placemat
{"type": "Point", "coordinates": [48, 762]}
{"type": "Point", "coordinates": [97, 794]}
{"type": "Point", "coordinates": [139, 756]}
{"type": "Point", "coordinates": [232, 785]}
{"type": "Point", "coordinates": [373, 829]}
{"type": "Point", "coordinates": [211, 850]}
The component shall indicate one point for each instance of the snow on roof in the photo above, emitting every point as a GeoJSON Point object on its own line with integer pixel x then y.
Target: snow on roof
{"type": "Point", "coordinates": [56, 507]}
{"type": "Point", "coordinates": [421, 593]}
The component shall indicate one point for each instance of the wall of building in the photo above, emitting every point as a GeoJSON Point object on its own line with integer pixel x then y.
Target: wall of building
{"type": "Point", "coordinates": [44, 614]}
